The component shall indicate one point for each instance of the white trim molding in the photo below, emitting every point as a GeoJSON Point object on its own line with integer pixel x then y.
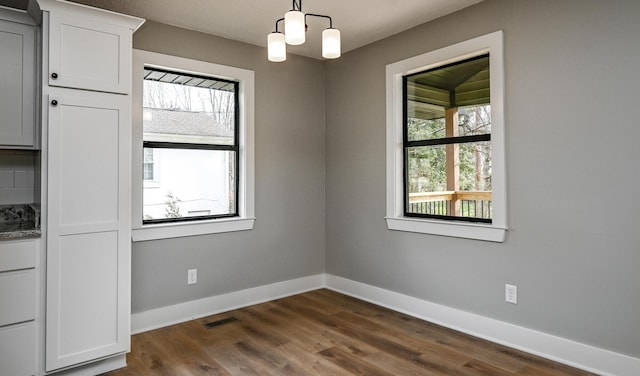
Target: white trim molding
{"type": "Point", "coordinates": [174, 314]}
{"type": "Point", "coordinates": [246, 195]}
{"type": "Point", "coordinates": [491, 44]}
{"type": "Point", "coordinates": [572, 353]}
{"type": "Point", "coordinates": [95, 368]}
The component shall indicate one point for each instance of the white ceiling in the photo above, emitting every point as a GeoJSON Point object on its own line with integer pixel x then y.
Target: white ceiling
{"type": "Point", "coordinates": [360, 21]}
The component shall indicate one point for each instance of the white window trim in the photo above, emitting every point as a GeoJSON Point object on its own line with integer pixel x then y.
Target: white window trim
{"type": "Point", "coordinates": [492, 44]}
{"type": "Point", "coordinates": [246, 201]}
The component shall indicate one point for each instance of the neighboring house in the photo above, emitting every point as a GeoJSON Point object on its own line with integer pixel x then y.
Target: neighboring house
{"type": "Point", "coordinates": [169, 173]}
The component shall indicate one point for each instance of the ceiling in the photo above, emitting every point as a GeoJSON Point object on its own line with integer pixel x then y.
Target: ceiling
{"type": "Point", "coordinates": [360, 21]}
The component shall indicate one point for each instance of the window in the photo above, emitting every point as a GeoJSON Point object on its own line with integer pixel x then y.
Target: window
{"type": "Point", "coordinates": [148, 172]}
{"type": "Point", "coordinates": [190, 122]}
{"type": "Point", "coordinates": [447, 148]}
{"type": "Point", "coordinates": [445, 142]}
{"type": "Point", "coordinates": [193, 147]}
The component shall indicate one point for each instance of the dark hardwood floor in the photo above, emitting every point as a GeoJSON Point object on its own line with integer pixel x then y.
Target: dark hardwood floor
{"type": "Point", "coordinates": [324, 333]}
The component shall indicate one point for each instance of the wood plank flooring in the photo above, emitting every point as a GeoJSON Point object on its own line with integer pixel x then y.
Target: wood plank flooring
{"type": "Point", "coordinates": [324, 333]}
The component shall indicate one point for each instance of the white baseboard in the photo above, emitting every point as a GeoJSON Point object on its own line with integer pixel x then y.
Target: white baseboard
{"type": "Point", "coordinates": [95, 368]}
{"type": "Point", "coordinates": [165, 316]}
{"type": "Point", "coordinates": [559, 349]}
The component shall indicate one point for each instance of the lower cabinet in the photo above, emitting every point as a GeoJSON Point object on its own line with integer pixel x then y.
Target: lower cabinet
{"type": "Point", "coordinates": [88, 222]}
{"type": "Point", "coordinates": [18, 290]}
{"type": "Point", "coordinates": [18, 350]}
{"type": "Point", "coordinates": [18, 294]}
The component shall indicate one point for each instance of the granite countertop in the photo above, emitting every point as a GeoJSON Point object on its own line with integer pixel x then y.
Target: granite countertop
{"type": "Point", "coordinates": [19, 221]}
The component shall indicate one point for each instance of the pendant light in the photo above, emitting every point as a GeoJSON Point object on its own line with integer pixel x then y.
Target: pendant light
{"type": "Point", "coordinates": [331, 43]}
{"type": "Point", "coordinates": [277, 47]}
{"type": "Point", "coordinates": [295, 27]}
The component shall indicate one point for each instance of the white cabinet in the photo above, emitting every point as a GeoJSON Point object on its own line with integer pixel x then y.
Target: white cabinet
{"type": "Point", "coordinates": [17, 350]}
{"type": "Point", "coordinates": [86, 70]}
{"type": "Point", "coordinates": [89, 241]}
{"type": "Point", "coordinates": [18, 78]}
{"type": "Point", "coordinates": [18, 309]}
{"type": "Point", "coordinates": [18, 294]}
{"type": "Point", "coordinates": [108, 65]}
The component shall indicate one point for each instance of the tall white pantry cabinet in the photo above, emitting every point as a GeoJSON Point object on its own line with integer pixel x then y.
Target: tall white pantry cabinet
{"type": "Point", "coordinates": [86, 159]}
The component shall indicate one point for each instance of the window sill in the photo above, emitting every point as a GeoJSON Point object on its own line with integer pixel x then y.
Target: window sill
{"type": "Point", "coordinates": [475, 231]}
{"type": "Point", "coordinates": [178, 230]}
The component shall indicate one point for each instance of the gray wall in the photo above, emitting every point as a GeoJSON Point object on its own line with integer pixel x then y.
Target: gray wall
{"type": "Point", "coordinates": [573, 247]}
{"type": "Point", "coordinates": [288, 240]}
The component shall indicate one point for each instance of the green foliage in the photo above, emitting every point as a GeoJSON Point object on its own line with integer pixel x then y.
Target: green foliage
{"type": "Point", "coordinates": [172, 210]}
{"type": "Point", "coordinates": [427, 171]}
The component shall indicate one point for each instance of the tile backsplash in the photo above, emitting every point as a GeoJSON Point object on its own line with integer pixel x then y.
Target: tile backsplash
{"type": "Point", "coordinates": [17, 176]}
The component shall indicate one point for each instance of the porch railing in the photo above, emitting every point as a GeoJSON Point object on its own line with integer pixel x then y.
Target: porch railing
{"type": "Point", "coordinates": [472, 204]}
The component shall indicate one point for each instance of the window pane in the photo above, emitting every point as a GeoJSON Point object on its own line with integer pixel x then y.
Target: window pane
{"type": "Point", "coordinates": [427, 170]}
{"type": "Point", "coordinates": [474, 120]}
{"type": "Point", "coordinates": [188, 114]}
{"type": "Point", "coordinates": [147, 171]}
{"type": "Point", "coordinates": [430, 94]}
{"type": "Point", "coordinates": [421, 129]}
{"type": "Point", "coordinates": [460, 84]}
{"type": "Point", "coordinates": [436, 188]}
{"type": "Point", "coordinates": [446, 102]}
{"type": "Point", "coordinates": [148, 155]}
{"type": "Point", "coordinates": [194, 183]}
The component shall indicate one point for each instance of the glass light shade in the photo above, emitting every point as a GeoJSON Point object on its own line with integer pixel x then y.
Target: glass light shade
{"type": "Point", "coordinates": [276, 47]}
{"type": "Point", "coordinates": [294, 27]}
{"type": "Point", "coordinates": [331, 43]}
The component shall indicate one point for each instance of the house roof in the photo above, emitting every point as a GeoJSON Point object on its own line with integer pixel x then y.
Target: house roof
{"type": "Point", "coordinates": [181, 123]}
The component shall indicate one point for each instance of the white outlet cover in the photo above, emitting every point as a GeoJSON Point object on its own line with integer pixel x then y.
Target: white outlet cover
{"type": "Point", "coordinates": [192, 276]}
{"type": "Point", "coordinates": [511, 294]}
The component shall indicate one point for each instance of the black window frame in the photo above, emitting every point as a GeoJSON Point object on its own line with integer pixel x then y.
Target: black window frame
{"type": "Point", "coordinates": [220, 147]}
{"type": "Point", "coordinates": [407, 145]}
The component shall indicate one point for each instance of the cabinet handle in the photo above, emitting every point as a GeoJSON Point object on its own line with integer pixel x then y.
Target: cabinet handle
{"type": "Point", "coordinates": [54, 102]}
{"type": "Point", "coordinates": [54, 75]}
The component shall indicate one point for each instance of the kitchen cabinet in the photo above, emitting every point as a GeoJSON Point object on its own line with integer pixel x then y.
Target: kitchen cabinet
{"type": "Point", "coordinates": [17, 349]}
{"type": "Point", "coordinates": [86, 120]}
{"type": "Point", "coordinates": [18, 312]}
{"type": "Point", "coordinates": [89, 53]}
{"type": "Point", "coordinates": [18, 78]}
{"type": "Point", "coordinates": [89, 241]}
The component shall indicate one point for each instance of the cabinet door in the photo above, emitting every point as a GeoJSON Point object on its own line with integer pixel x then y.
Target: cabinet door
{"type": "Point", "coordinates": [17, 350]}
{"type": "Point", "coordinates": [87, 54]}
{"type": "Point", "coordinates": [17, 91]}
{"type": "Point", "coordinates": [89, 240]}
{"type": "Point", "coordinates": [18, 297]}
{"type": "Point", "coordinates": [18, 254]}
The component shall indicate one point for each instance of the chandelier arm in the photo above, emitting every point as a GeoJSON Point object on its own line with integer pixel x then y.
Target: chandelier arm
{"type": "Point", "coordinates": [321, 16]}
{"type": "Point", "coordinates": [277, 22]}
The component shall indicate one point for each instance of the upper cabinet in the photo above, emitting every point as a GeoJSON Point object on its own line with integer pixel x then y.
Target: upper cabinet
{"type": "Point", "coordinates": [17, 81]}
{"type": "Point", "coordinates": [88, 50]}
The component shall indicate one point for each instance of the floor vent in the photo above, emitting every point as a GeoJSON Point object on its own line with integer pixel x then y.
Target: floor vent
{"type": "Point", "coordinates": [213, 324]}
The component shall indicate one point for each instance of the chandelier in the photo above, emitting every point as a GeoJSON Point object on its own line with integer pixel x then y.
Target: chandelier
{"type": "Point", "coordinates": [295, 27]}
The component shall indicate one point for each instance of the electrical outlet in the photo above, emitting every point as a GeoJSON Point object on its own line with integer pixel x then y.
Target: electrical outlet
{"type": "Point", "coordinates": [511, 294]}
{"type": "Point", "coordinates": [192, 276]}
